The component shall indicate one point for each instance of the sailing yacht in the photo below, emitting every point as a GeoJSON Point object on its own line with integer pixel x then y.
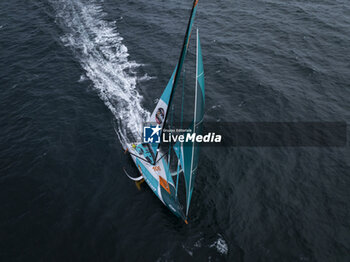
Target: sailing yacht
{"type": "Point", "coordinates": [153, 167]}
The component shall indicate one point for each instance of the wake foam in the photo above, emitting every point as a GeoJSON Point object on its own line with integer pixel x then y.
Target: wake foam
{"type": "Point", "coordinates": [220, 245]}
{"type": "Point", "coordinates": [99, 48]}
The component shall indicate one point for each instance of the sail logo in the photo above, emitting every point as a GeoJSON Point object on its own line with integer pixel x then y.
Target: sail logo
{"type": "Point", "coordinates": [151, 134]}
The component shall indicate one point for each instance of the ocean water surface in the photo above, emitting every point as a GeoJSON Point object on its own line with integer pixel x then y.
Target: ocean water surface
{"type": "Point", "coordinates": [79, 77]}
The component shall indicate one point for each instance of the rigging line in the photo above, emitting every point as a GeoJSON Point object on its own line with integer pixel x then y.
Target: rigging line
{"type": "Point", "coordinates": [161, 157]}
{"type": "Point", "coordinates": [181, 121]}
{"type": "Point", "coordinates": [199, 121]}
{"type": "Point", "coordinates": [139, 157]}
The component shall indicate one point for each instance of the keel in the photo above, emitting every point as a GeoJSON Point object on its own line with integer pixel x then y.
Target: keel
{"type": "Point", "coordinates": [138, 184]}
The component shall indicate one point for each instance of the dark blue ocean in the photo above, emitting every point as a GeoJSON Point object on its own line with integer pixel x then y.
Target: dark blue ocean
{"type": "Point", "coordinates": [76, 76]}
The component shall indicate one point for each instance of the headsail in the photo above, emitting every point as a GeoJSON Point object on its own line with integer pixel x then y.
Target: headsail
{"type": "Point", "coordinates": [188, 152]}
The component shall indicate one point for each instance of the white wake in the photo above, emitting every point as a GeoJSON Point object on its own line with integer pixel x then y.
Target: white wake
{"type": "Point", "coordinates": [99, 48]}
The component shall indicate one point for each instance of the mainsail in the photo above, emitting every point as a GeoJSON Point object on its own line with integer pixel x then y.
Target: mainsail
{"type": "Point", "coordinates": [188, 152]}
{"type": "Point", "coordinates": [160, 113]}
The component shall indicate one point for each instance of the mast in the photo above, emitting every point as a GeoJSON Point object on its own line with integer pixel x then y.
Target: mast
{"type": "Point", "coordinates": [181, 60]}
